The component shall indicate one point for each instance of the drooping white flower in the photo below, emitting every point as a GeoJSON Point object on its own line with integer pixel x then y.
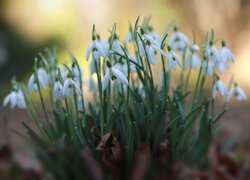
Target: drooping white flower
{"type": "Point", "coordinates": [96, 49]}
{"type": "Point", "coordinates": [221, 66]}
{"type": "Point", "coordinates": [238, 93]}
{"type": "Point", "coordinates": [69, 86]}
{"type": "Point", "coordinates": [116, 46]}
{"type": "Point", "coordinates": [195, 47]}
{"type": "Point", "coordinates": [156, 37]}
{"type": "Point", "coordinates": [15, 98]}
{"type": "Point", "coordinates": [192, 61]}
{"type": "Point", "coordinates": [226, 54]}
{"type": "Point", "coordinates": [113, 74]}
{"type": "Point", "coordinates": [151, 50]}
{"type": "Point", "coordinates": [42, 79]}
{"type": "Point", "coordinates": [220, 87]}
{"type": "Point", "coordinates": [104, 44]}
{"type": "Point", "coordinates": [173, 59]}
{"type": "Point", "coordinates": [178, 40]}
{"type": "Point", "coordinates": [208, 68]}
{"type": "Point", "coordinates": [213, 53]}
{"type": "Point", "coordinates": [58, 90]}
{"type": "Point", "coordinates": [123, 67]}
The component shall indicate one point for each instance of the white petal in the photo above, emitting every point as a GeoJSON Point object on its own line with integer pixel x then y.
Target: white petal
{"type": "Point", "coordinates": [42, 73]}
{"type": "Point", "coordinates": [89, 50]}
{"type": "Point", "coordinates": [156, 48]}
{"type": "Point", "coordinates": [214, 92]}
{"type": "Point", "coordinates": [241, 93]}
{"type": "Point", "coordinates": [120, 76]}
{"type": "Point", "coordinates": [42, 82]}
{"type": "Point", "coordinates": [128, 38]}
{"type": "Point", "coordinates": [149, 38]}
{"type": "Point", "coordinates": [105, 81]}
{"type": "Point", "coordinates": [21, 100]}
{"type": "Point", "coordinates": [151, 55]}
{"type": "Point", "coordinates": [31, 83]}
{"type": "Point", "coordinates": [7, 99]}
{"type": "Point", "coordinates": [76, 87]}
{"type": "Point", "coordinates": [230, 55]}
{"type": "Point", "coordinates": [13, 100]}
{"type": "Point", "coordinates": [196, 62]}
{"type": "Point", "coordinates": [99, 48]}
{"type": "Point", "coordinates": [221, 88]}
{"type": "Point", "coordinates": [195, 47]}
{"type": "Point", "coordinates": [92, 67]}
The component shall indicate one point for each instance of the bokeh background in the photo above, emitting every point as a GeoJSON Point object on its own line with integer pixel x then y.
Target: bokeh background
{"type": "Point", "coordinates": [27, 26]}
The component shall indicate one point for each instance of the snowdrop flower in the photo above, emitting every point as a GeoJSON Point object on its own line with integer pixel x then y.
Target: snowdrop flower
{"type": "Point", "coordinates": [238, 93]}
{"type": "Point", "coordinates": [42, 79]}
{"type": "Point", "coordinates": [213, 53]}
{"type": "Point", "coordinates": [122, 66]}
{"type": "Point", "coordinates": [95, 48]}
{"type": "Point", "coordinates": [116, 46]}
{"type": "Point", "coordinates": [178, 40]}
{"type": "Point", "coordinates": [208, 68]}
{"type": "Point", "coordinates": [15, 98]}
{"type": "Point", "coordinates": [104, 44]}
{"type": "Point", "coordinates": [192, 61]}
{"type": "Point", "coordinates": [113, 74]}
{"type": "Point", "coordinates": [58, 90]}
{"type": "Point", "coordinates": [195, 47]}
{"type": "Point", "coordinates": [220, 87]}
{"type": "Point", "coordinates": [173, 59]}
{"type": "Point", "coordinates": [221, 66]}
{"type": "Point", "coordinates": [155, 35]}
{"type": "Point", "coordinates": [151, 50]}
{"type": "Point", "coordinates": [226, 53]}
{"type": "Point", "coordinates": [69, 86]}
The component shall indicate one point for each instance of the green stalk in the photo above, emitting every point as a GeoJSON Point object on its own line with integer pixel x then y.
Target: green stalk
{"type": "Point", "coordinates": [98, 69]}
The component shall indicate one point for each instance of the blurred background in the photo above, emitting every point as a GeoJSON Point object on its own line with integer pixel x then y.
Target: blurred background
{"type": "Point", "coordinates": [28, 26]}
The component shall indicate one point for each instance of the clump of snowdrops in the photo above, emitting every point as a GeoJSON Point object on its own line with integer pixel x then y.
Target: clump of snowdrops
{"type": "Point", "coordinates": [128, 109]}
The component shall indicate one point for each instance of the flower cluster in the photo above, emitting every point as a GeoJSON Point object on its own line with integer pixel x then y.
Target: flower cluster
{"type": "Point", "coordinates": [125, 98]}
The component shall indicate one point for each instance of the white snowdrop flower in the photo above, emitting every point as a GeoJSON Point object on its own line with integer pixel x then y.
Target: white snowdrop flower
{"type": "Point", "coordinates": [220, 87]}
{"type": "Point", "coordinates": [208, 68]}
{"type": "Point", "coordinates": [151, 50]}
{"type": "Point", "coordinates": [226, 53]}
{"type": "Point", "coordinates": [173, 59]}
{"type": "Point", "coordinates": [15, 98]}
{"type": "Point", "coordinates": [221, 66]}
{"type": "Point", "coordinates": [141, 48]}
{"type": "Point", "coordinates": [192, 61]}
{"type": "Point", "coordinates": [113, 74]}
{"type": "Point", "coordinates": [122, 66]}
{"type": "Point", "coordinates": [65, 74]}
{"type": "Point", "coordinates": [104, 44]}
{"type": "Point", "coordinates": [238, 93]}
{"type": "Point", "coordinates": [155, 36]}
{"type": "Point", "coordinates": [116, 46]}
{"type": "Point", "coordinates": [213, 53]}
{"type": "Point", "coordinates": [69, 86]}
{"type": "Point", "coordinates": [195, 47]}
{"type": "Point", "coordinates": [152, 40]}
{"type": "Point", "coordinates": [42, 79]}
{"type": "Point", "coordinates": [178, 40]}
{"type": "Point", "coordinates": [96, 49]}
{"type": "Point", "coordinates": [58, 90]}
